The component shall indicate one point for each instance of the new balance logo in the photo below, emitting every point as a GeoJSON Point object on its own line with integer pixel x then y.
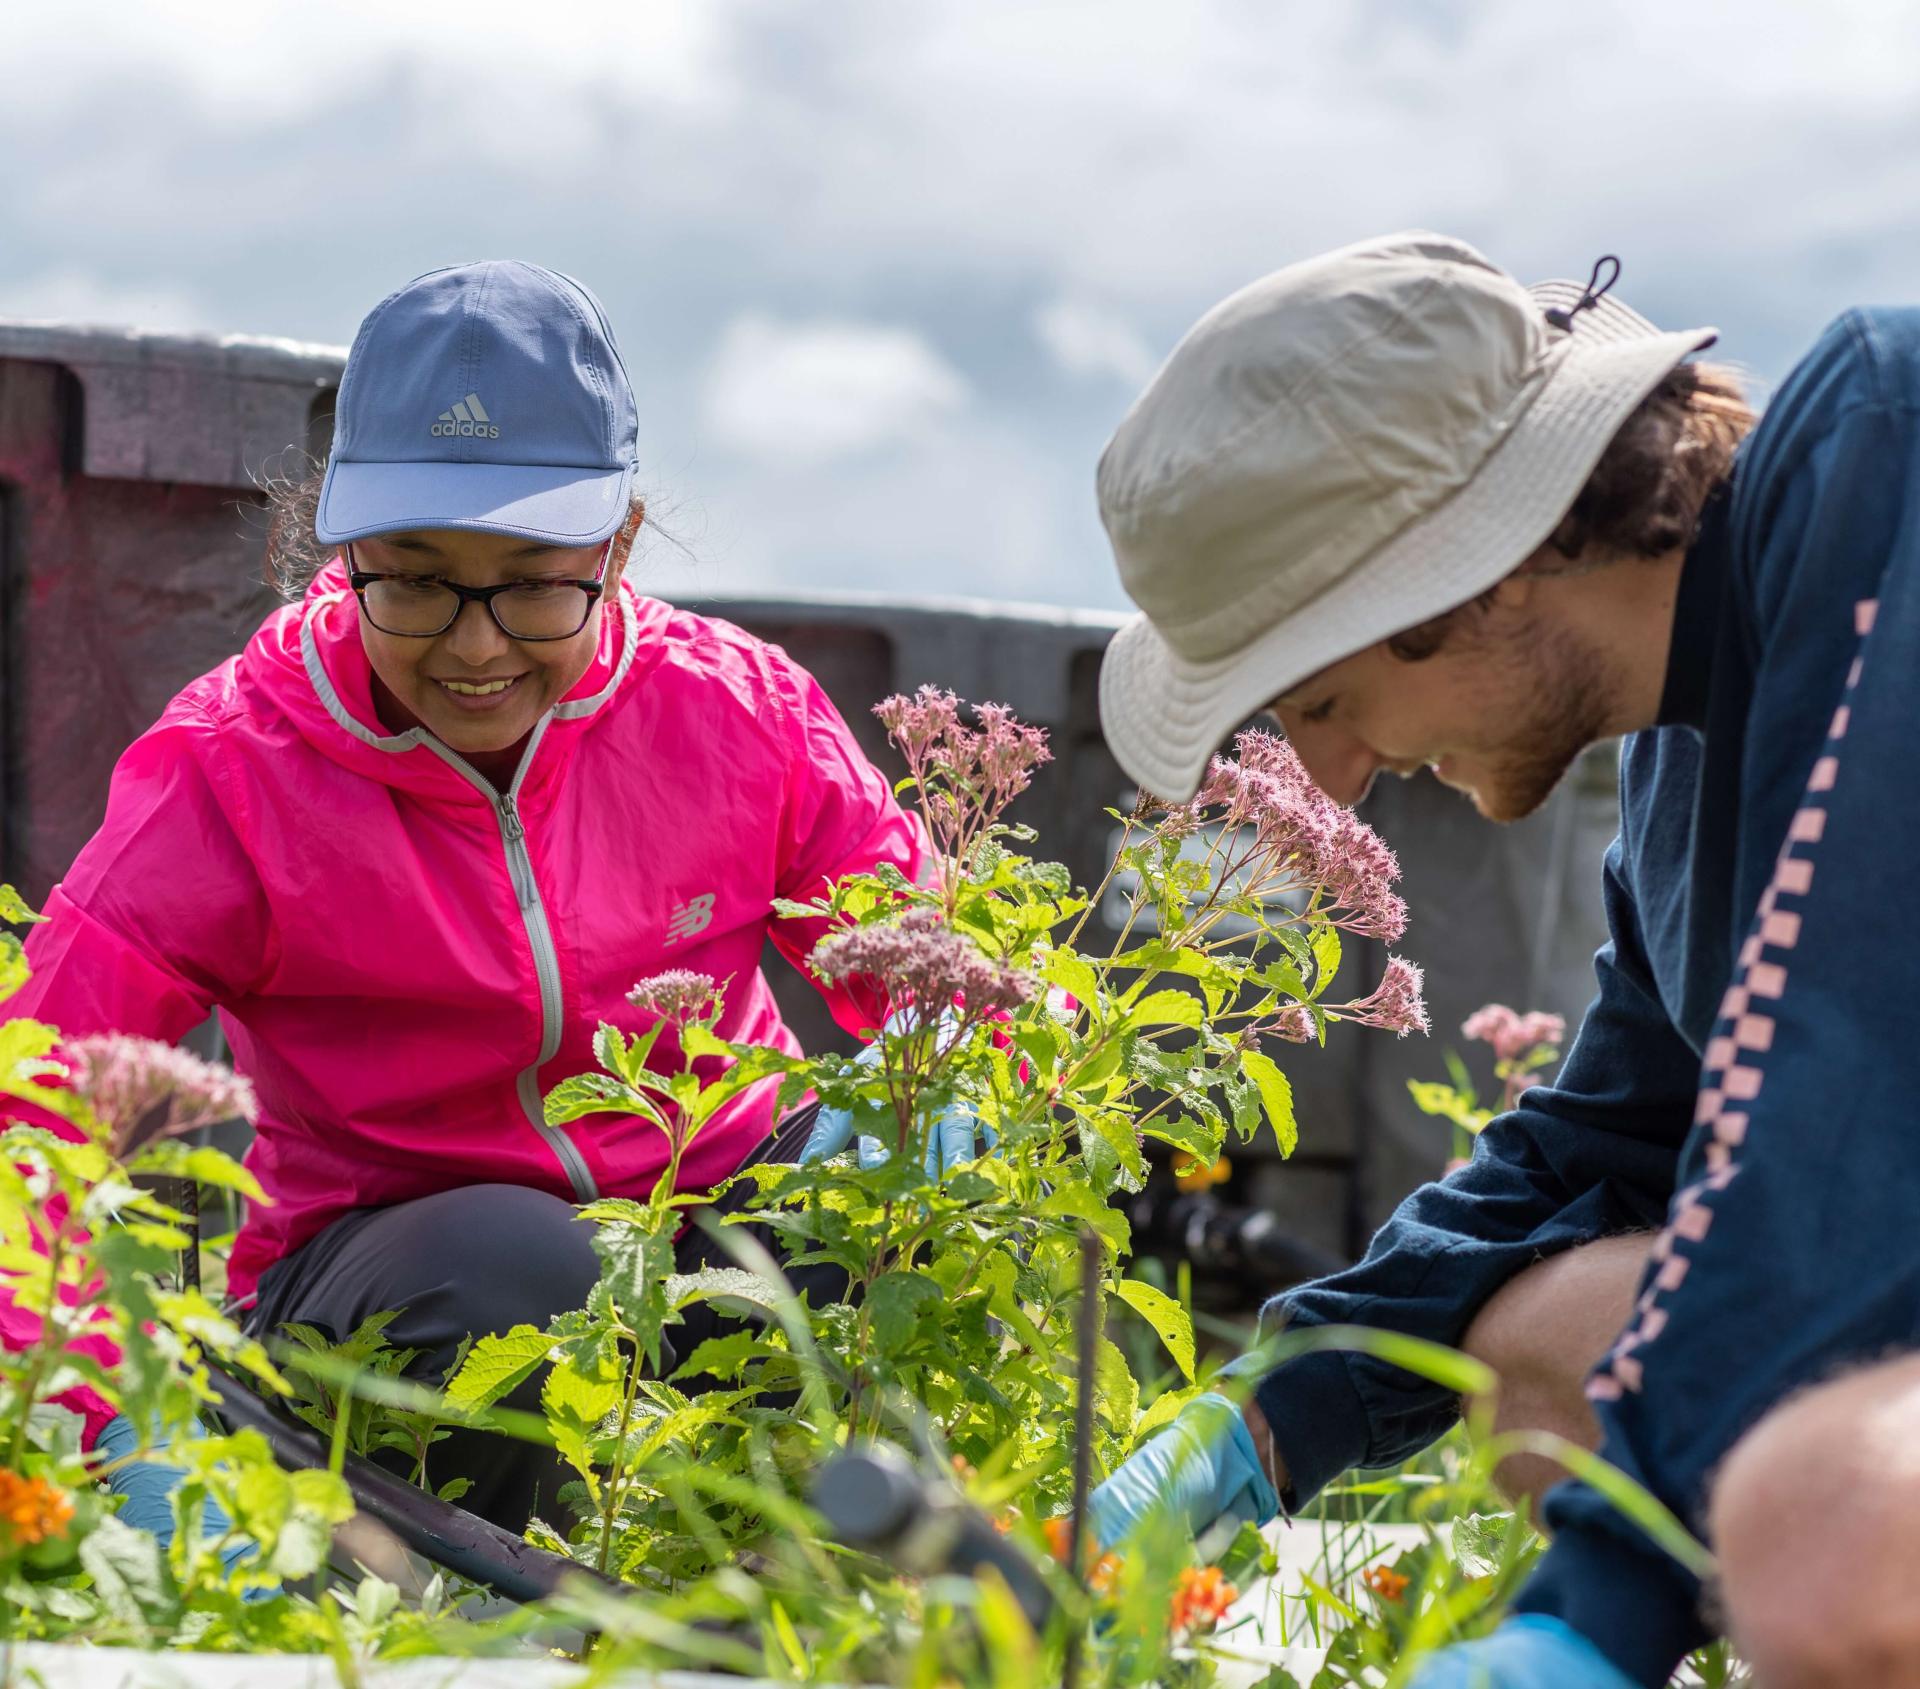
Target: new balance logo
{"type": "Point", "coordinates": [693, 916]}
{"type": "Point", "coordinates": [468, 420]}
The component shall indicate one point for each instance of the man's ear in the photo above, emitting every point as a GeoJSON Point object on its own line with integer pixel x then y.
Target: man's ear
{"type": "Point", "coordinates": [1515, 591]}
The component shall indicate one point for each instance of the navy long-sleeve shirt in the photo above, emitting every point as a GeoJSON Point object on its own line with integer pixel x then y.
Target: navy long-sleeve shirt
{"type": "Point", "coordinates": [1744, 1084]}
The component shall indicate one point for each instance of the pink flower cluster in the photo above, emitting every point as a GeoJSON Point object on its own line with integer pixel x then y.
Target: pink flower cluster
{"type": "Point", "coordinates": [678, 995]}
{"type": "Point", "coordinates": [142, 1089]}
{"type": "Point", "coordinates": [966, 776]}
{"type": "Point", "coordinates": [1512, 1034]}
{"type": "Point", "coordinates": [1303, 837]}
{"type": "Point", "coordinates": [919, 959]}
{"type": "Point", "coordinates": [1395, 1004]}
{"type": "Point", "coordinates": [1293, 1025]}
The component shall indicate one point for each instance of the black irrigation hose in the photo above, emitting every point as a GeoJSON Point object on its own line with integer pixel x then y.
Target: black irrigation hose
{"type": "Point", "coordinates": [449, 1536]}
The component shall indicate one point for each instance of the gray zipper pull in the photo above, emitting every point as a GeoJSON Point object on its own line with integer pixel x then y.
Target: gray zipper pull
{"type": "Point", "coordinates": [510, 818]}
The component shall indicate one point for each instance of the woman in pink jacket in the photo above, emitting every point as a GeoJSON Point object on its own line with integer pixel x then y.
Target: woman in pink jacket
{"type": "Point", "coordinates": [428, 829]}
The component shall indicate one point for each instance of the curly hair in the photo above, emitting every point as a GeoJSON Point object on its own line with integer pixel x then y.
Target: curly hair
{"type": "Point", "coordinates": [294, 551]}
{"type": "Point", "coordinates": [1645, 495]}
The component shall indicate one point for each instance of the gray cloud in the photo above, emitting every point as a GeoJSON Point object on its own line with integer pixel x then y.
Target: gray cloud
{"type": "Point", "coordinates": [937, 184]}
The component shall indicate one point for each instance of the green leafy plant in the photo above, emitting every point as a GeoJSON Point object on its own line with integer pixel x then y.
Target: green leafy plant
{"type": "Point", "coordinates": [89, 1255]}
{"type": "Point", "coordinates": [362, 1420]}
{"type": "Point", "coordinates": [958, 1338]}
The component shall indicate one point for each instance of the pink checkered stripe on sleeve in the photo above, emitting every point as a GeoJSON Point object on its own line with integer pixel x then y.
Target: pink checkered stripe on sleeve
{"type": "Point", "coordinates": [1734, 1069]}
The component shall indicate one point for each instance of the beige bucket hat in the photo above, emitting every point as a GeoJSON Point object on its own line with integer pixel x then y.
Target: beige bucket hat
{"type": "Point", "coordinates": [1341, 451]}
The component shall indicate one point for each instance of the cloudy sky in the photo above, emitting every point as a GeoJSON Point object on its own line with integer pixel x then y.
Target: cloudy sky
{"type": "Point", "coordinates": [888, 271]}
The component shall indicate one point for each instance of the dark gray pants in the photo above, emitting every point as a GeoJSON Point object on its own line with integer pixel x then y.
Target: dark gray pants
{"type": "Point", "coordinates": [480, 1260]}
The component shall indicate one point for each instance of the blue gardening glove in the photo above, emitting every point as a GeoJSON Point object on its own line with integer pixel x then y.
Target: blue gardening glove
{"type": "Point", "coordinates": [148, 1487]}
{"type": "Point", "coordinates": [955, 1137]}
{"type": "Point", "coordinates": [1202, 1468]}
{"type": "Point", "coordinates": [1531, 1652]}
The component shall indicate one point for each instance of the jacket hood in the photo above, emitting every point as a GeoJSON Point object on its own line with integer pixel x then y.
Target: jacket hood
{"type": "Point", "coordinates": [307, 664]}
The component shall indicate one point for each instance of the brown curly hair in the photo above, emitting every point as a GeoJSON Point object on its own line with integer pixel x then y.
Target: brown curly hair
{"type": "Point", "coordinates": [294, 551]}
{"type": "Point", "coordinates": [1645, 495]}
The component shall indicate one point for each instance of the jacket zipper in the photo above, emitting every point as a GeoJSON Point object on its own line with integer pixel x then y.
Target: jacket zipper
{"type": "Point", "coordinates": [546, 968]}
{"type": "Point", "coordinates": [546, 960]}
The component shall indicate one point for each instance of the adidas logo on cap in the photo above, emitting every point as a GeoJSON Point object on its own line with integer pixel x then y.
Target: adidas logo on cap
{"type": "Point", "coordinates": [468, 419]}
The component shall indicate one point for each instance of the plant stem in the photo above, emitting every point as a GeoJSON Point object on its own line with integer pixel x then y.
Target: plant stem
{"type": "Point", "coordinates": [1106, 880]}
{"type": "Point", "coordinates": [1089, 1336]}
{"type": "Point", "coordinates": [1134, 906]}
{"type": "Point", "coordinates": [614, 1486]}
{"type": "Point", "coordinates": [874, 1264]}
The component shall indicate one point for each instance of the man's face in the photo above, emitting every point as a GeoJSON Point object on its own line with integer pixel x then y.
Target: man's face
{"type": "Point", "coordinates": [452, 683]}
{"type": "Point", "coordinates": [1499, 712]}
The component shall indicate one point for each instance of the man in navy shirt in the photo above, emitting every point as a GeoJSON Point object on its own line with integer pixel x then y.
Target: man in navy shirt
{"type": "Point", "coordinates": [1431, 518]}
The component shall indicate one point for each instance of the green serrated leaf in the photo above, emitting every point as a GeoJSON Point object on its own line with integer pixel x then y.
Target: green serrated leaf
{"type": "Point", "coordinates": [1077, 1202]}
{"type": "Point", "coordinates": [1118, 1133]}
{"type": "Point", "coordinates": [1276, 1097]}
{"type": "Point", "coordinates": [1167, 1008]}
{"type": "Point", "coordinates": [1325, 943]}
{"type": "Point", "coordinates": [697, 1041]}
{"type": "Point", "coordinates": [1100, 1067]}
{"type": "Point", "coordinates": [202, 1163]}
{"type": "Point", "coordinates": [25, 1046]}
{"type": "Point", "coordinates": [789, 909]}
{"type": "Point", "coordinates": [598, 1093]}
{"type": "Point", "coordinates": [1119, 1390]}
{"type": "Point", "coordinates": [720, 1284]}
{"type": "Point", "coordinates": [15, 910]}
{"type": "Point", "coordinates": [636, 1262]}
{"type": "Point", "coordinates": [1168, 1319]}
{"type": "Point", "coordinates": [574, 1405]}
{"type": "Point", "coordinates": [1075, 976]}
{"type": "Point", "coordinates": [894, 1302]}
{"type": "Point", "coordinates": [496, 1364]}
{"type": "Point", "coordinates": [723, 1357]}
{"type": "Point", "coordinates": [587, 1399]}
{"type": "Point", "coordinates": [14, 972]}
{"type": "Point", "coordinates": [1201, 1139]}
{"type": "Point", "coordinates": [1162, 1410]}
{"type": "Point", "coordinates": [130, 1574]}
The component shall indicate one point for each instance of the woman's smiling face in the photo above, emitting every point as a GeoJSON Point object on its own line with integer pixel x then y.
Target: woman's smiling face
{"type": "Point", "coordinates": [474, 688]}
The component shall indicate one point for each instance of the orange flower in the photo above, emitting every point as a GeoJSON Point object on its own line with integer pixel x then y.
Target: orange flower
{"type": "Point", "coordinates": [963, 1469]}
{"type": "Point", "coordinates": [31, 1510]}
{"type": "Point", "coordinates": [1102, 1574]}
{"type": "Point", "coordinates": [1385, 1582]}
{"type": "Point", "coordinates": [1059, 1532]}
{"type": "Point", "coordinates": [1192, 1175]}
{"type": "Point", "coordinates": [1201, 1598]}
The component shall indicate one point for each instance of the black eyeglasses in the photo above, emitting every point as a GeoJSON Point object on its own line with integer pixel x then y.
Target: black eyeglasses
{"type": "Point", "coordinates": [425, 606]}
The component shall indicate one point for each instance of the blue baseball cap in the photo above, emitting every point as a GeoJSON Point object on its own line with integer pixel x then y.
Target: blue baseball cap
{"type": "Point", "coordinates": [487, 396]}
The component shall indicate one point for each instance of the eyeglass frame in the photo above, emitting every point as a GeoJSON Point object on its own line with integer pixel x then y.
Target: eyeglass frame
{"type": "Point", "coordinates": [595, 589]}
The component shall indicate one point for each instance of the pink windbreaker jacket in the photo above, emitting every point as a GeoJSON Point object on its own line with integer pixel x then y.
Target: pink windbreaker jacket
{"type": "Point", "coordinates": [404, 959]}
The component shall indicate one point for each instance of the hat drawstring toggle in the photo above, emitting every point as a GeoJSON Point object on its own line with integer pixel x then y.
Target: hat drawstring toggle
{"type": "Point", "coordinates": [1596, 290]}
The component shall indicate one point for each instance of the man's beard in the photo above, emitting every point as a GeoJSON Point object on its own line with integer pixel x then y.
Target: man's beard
{"type": "Point", "coordinates": [1567, 711]}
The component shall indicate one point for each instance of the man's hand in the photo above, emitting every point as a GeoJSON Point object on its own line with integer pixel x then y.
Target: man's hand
{"type": "Point", "coordinates": [1205, 1466]}
{"type": "Point", "coordinates": [1533, 1652]}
